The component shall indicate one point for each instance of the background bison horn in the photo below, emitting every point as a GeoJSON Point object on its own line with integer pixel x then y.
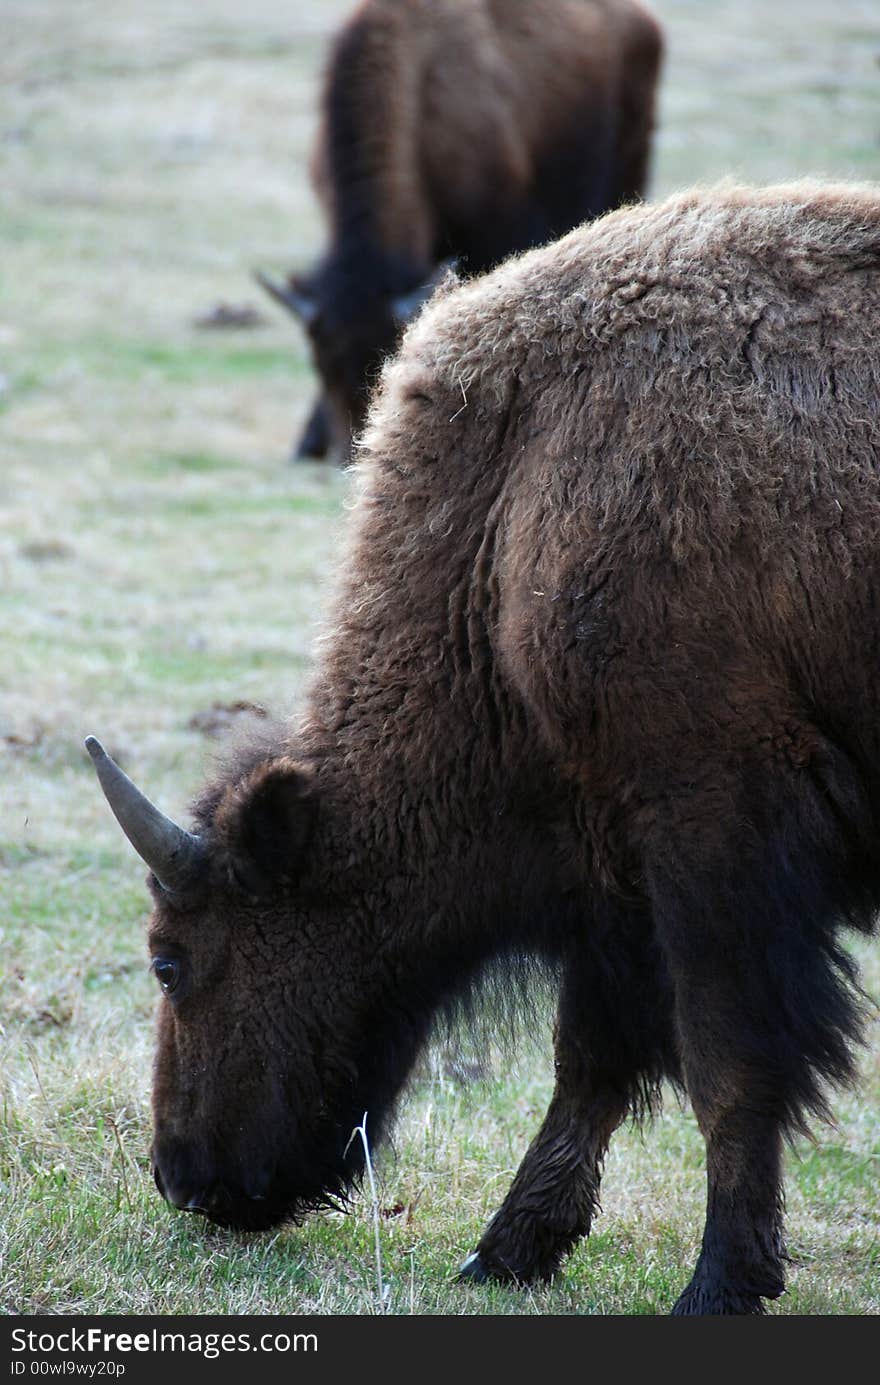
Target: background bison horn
{"type": "Point", "coordinates": [173, 855]}
{"type": "Point", "coordinates": [301, 304]}
{"type": "Point", "coordinates": [406, 305]}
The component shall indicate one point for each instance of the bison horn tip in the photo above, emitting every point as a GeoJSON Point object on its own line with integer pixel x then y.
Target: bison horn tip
{"type": "Point", "coordinates": [174, 856]}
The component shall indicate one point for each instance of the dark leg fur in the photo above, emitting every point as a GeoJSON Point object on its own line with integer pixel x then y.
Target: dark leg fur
{"type": "Point", "coordinates": [740, 1263]}
{"type": "Point", "coordinates": [740, 1105]}
{"type": "Point", "coordinates": [613, 1045]}
{"type": "Point", "coordinates": [763, 1009]}
{"type": "Point", "coordinates": [314, 440]}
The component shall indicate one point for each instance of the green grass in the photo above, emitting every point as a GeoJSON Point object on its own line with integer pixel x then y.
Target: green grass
{"type": "Point", "coordinates": [119, 361]}
{"type": "Point", "coordinates": [158, 556]}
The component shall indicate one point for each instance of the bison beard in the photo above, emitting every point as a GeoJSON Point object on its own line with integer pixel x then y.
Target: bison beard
{"type": "Point", "coordinates": [601, 690]}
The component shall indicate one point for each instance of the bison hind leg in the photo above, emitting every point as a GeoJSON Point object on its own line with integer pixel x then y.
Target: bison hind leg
{"type": "Point", "coordinates": [699, 1301]}
{"type": "Point", "coordinates": [747, 904]}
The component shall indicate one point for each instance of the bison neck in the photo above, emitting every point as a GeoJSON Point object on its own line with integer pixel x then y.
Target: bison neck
{"type": "Point", "coordinates": [439, 821]}
{"type": "Point", "coordinates": [441, 813]}
{"type": "Point", "coordinates": [428, 887]}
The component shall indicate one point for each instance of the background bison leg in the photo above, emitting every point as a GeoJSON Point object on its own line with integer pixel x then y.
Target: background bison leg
{"type": "Point", "coordinates": [613, 1045]}
{"type": "Point", "coordinates": [314, 440]}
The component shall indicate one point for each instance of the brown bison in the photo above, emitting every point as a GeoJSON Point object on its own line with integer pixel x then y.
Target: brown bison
{"type": "Point", "coordinates": [602, 689]}
{"type": "Point", "coordinates": [465, 131]}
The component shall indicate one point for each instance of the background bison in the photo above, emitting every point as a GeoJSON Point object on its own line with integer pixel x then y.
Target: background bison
{"type": "Point", "coordinates": [465, 131]}
{"type": "Point", "coordinates": [599, 689]}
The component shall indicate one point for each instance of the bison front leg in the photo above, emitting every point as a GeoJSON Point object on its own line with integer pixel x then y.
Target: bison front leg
{"type": "Point", "coordinates": [555, 1194]}
{"type": "Point", "coordinates": [314, 441]}
{"type": "Point", "coordinates": [613, 1045]}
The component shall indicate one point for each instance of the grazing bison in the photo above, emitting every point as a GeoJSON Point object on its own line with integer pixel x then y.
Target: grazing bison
{"type": "Point", "coordinates": [603, 687]}
{"type": "Point", "coordinates": [462, 130]}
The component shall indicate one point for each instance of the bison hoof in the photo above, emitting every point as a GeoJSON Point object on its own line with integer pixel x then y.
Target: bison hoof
{"type": "Point", "coordinates": [473, 1270]}
{"type": "Point", "coordinates": [698, 1302]}
{"type": "Point", "coordinates": [478, 1268]}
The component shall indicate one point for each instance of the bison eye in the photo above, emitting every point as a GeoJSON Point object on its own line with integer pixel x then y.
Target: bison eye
{"type": "Point", "coordinates": [167, 972]}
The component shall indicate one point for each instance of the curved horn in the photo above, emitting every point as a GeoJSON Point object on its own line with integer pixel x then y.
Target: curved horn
{"type": "Point", "coordinates": [406, 305]}
{"type": "Point", "coordinates": [173, 855]}
{"type": "Point", "coordinates": [294, 300]}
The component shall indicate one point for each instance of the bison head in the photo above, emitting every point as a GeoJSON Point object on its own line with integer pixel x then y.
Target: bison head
{"type": "Point", "coordinates": [353, 321]}
{"type": "Point", "coordinates": [260, 1073]}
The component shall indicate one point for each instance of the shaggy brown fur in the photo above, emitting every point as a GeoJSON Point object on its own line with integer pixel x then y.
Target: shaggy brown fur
{"type": "Point", "coordinates": [468, 131]}
{"type": "Point", "coordinates": [602, 686]}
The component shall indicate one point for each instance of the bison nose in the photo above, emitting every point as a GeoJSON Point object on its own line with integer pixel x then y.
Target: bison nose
{"type": "Point", "coordinates": [183, 1187]}
{"type": "Point", "coordinates": [204, 1201]}
{"type": "Point", "coordinates": [192, 1183]}
{"type": "Point", "coordinates": [199, 1202]}
{"type": "Point", "coordinates": [256, 1184]}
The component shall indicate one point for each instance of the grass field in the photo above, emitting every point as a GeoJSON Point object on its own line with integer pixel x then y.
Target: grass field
{"type": "Point", "coordinates": [160, 563]}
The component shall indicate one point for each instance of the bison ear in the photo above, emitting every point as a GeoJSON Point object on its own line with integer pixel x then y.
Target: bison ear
{"type": "Point", "coordinates": [265, 823]}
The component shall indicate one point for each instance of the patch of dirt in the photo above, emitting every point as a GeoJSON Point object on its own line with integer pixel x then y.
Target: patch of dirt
{"type": "Point", "coordinates": [24, 740]}
{"type": "Point", "coordinates": [230, 317]}
{"type": "Point", "coordinates": [220, 717]}
{"type": "Point", "coordinates": [46, 550]}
